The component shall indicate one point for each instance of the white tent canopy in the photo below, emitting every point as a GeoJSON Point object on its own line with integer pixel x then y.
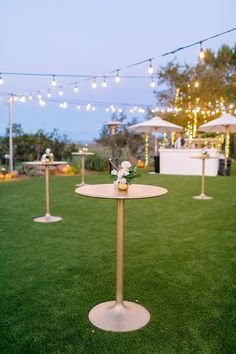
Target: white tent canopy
{"type": "Point", "coordinates": [220, 124]}
{"type": "Point", "coordinates": [224, 124]}
{"type": "Point", "coordinates": [155, 124]}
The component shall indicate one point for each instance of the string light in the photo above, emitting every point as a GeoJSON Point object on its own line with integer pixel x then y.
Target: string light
{"type": "Point", "coordinates": [152, 84]}
{"type": "Point", "coordinates": [78, 107]}
{"type": "Point", "coordinates": [42, 103]}
{"type": "Point", "coordinates": [22, 99]}
{"type": "Point", "coordinates": [104, 83]}
{"type": "Point", "coordinates": [60, 92]}
{"type": "Point", "coordinates": [49, 94]}
{"type": "Point", "coordinates": [202, 53]}
{"type": "Point", "coordinates": [94, 84]}
{"type": "Point", "coordinates": [54, 83]}
{"type": "Point", "coordinates": [196, 84]}
{"type": "Point", "coordinates": [150, 67]}
{"type": "Point", "coordinates": [117, 78]}
{"type": "Point", "coordinates": [39, 96]}
{"type": "Point", "coordinates": [30, 97]}
{"type": "Point", "coordinates": [1, 79]}
{"type": "Point", "coordinates": [76, 89]}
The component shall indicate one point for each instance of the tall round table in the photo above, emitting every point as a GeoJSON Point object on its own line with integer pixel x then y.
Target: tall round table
{"type": "Point", "coordinates": [120, 315]}
{"type": "Point", "coordinates": [47, 217]}
{"type": "Point", "coordinates": [83, 154]}
{"type": "Point", "coordinates": [203, 196]}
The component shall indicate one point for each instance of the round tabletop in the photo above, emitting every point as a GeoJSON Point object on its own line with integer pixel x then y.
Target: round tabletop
{"type": "Point", "coordinates": [83, 153]}
{"type": "Point", "coordinates": [41, 163]}
{"type": "Point", "coordinates": [202, 157]}
{"type": "Point", "coordinates": [107, 191]}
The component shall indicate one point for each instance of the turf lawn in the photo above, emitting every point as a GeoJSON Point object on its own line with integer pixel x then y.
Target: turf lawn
{"type": "Point", "coordinates": [179, 263]}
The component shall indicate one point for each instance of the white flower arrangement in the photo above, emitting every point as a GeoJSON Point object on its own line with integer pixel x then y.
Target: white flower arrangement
{"type": "Point", "coordinates": [47, 156]}
{"type": "Point", "coordinates": [125, 173]}
{"type": "Point", "coordinates": [205, 153]}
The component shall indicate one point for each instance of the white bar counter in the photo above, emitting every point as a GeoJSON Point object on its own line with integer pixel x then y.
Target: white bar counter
{"type": "Point", "coordinates": [179, 162]}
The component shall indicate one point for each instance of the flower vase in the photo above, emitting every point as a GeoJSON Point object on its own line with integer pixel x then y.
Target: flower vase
{"type": "Point", "coordinates": [123, 187]}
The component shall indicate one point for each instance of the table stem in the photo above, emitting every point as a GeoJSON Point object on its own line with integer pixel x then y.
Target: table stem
{"type": "Point", "coordinates": [203, 176]}
{"type": "Point", "coordinates": [83, 169]}
{"type": "Point", "coordinates": [47, 189]}
{"type": "Point", "coordinates": [120, 250]}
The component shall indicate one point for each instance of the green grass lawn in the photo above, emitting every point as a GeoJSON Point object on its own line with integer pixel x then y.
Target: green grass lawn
{"type": "Point", "coordinates": [179, 263]}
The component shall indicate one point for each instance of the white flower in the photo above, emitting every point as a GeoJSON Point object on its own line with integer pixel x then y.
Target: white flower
{"type": "Point", "coordinates": [122, 173]}
{"type": "Point", "coordinates": [114, 172]}
{"type": "Point", "coordinates": [123, 181]}
{"type": "Point", "coordinates": [126, 165]}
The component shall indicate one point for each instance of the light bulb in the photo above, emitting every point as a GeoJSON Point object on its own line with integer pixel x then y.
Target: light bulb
{"type": "Point", "coordinates": [49, 94]}
{"type": "Point", "coordinates": [107, 109]}
{"type": "Point", "coordinates": [117, 78]}
{"type": "Point", "coordinates": [93, 108]}
{"type": "Point", "coordinates": [22, 99]}
{"type": "Point", "coordinates": [104, 83]}
{"type": "Point", "coordinates": [1, 79]}
{"type": "Point", "coordinates": [42, 103]}
{"type": "Point", "coordinates": [60, 92]}
{"type": "Point", "coordinates": [202, 53]}
{"type": "Point", "coordinates": [152, 84]}
{"type": "Point", "coordinates": [65, 104]}
{"type": "Point", "coordinates": [131, 111]}
{"type": "Point", "coordinates": [39, 96]}
{"type": "Point", "coordinates": [78, 107]}
{"type": "Point", "coordinates": [196, 84]}
{"type": "Point", "coordinates": [54, 83]}
{"type": "Point", "coordinates": [15, 98]}
{"type": "Point", "coordinates": [94, 84]}
{"type": "Point", "coordinates": [30, 97]}
{"type": "Point", "coordinates": [150, 67]}
{"type": "Point", "coordinates": [120, 110]}
{"type": "Point", "coordinates": [76, 89]}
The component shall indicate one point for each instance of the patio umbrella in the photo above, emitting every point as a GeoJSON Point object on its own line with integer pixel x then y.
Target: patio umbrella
{"type": "Point", "coordinates": [157, 125]}
{"type": "Point", "coordinates": [225, 124]}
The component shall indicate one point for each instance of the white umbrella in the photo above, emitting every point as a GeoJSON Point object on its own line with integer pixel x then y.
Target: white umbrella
{"type": "Point", "coordinates": [157, 125]}
{"type": "Point", "coordinates": [224, 124]}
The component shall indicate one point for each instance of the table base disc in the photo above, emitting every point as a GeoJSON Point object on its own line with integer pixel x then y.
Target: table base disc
{"type": "Point", "coordinates": [202, 197]}
{"type": "Point", "coordinates": [125, 317]}
{"type": "Point", "coordinates": [48, 218]}
{"type": "Point", "coordinates": [81, 184]}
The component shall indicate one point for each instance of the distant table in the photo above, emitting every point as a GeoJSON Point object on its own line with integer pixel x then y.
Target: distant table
{"type": "Point", "coordinates": [47, 217]}
{"type": "Point", "coordinates": [120, 315]}
{"type": "Point", "coordinates": [83, 154]}
{"type": "Point", "coordinates": [203, 196]}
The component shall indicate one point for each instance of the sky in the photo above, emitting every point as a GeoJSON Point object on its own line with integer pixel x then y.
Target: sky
{"type": "Point", "coordinates": [91, 38]}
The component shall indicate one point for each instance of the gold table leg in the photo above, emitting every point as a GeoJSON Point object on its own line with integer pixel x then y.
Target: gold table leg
{"type": "Point", "coordinates": [48, 217]}
{"type": "Point", "coordinates": [119, 315]}
{"type": "Point", "coordinates": [82, 173]}
{"type": "Point", "coordinates": [203, 196]}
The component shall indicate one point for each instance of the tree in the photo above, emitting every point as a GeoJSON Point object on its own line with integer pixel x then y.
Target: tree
{"type": "Point", "coordinates": [199, 93]}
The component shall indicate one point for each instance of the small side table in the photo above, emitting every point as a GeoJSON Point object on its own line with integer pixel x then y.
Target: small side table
{"type": "Point", "coordinates": [47, 217]}
{"type": "Point", "coordinates": [83, 154]}
{"type": "Point", "coordinates": [120, 315]}
{"type": "Point", "coordinates": [203, 196]}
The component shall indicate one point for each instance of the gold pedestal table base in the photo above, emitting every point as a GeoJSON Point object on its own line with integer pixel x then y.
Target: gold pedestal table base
{"type": "Point", "coordinates": [120, 315]}
{"type": "Point", "coordinates": [124, 317]}
{"type": "Point", "coordinates": [47, 217]}
{"type": "Point", "coordinates": [202, 197]}
{"type": "Point", "coordinates": [82, 154]}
